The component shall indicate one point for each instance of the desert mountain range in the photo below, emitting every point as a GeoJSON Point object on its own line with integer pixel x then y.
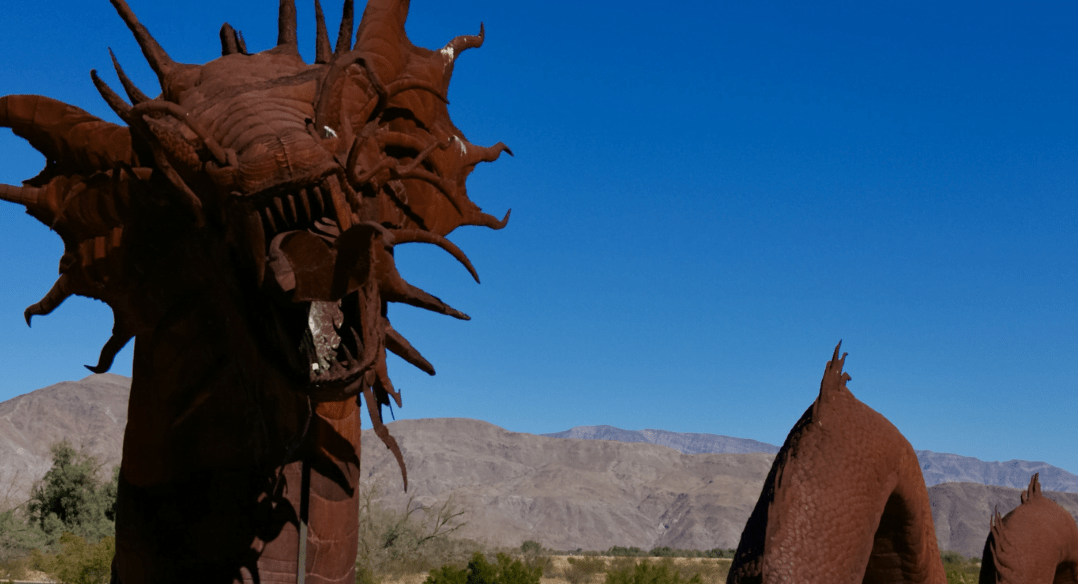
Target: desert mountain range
{"type": "Point", "coordinates": [937, 467]}
{"type": "Point", "coordinates": [590, 487]}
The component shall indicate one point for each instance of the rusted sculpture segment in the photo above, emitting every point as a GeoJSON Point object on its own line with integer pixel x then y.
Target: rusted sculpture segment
{"type": "Point", "coordinates": [1037, 542]}
{"type": "Point", "coordinates": [241, 226]}
{"type": "Point", "coordinates": [844, 501]}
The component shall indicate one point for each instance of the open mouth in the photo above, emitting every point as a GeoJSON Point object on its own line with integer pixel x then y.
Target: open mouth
{"type": "Point", "coordinates": [332, 275]}
{"type": "Point", "coordinates": [314, 259]}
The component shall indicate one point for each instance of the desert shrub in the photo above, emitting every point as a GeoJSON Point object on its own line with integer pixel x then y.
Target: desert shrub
{"type": "Point", "coordinates": [583, 569]}
{"type": "Point", "coordinates": [535, 556]}
{"type": "Point", "coordinates": [73, 498]}
{"type": "Point", "coordinates": [619, 551]}
{"type": "Point", "coordinates": [648, 573]}
{"type": "Point", "coordinates": [447, 574]}
{"type": "Point", "coordinates": [480, 571]}
{"type": "Point", "coordinates": [18, 538]}
{"type": "Point", "coordinates": [959, 569]}
{"type": "Point", "coordinates": [65, 524]}
{"type": "Point", "coordinates": [417, 539]}
{"type": "Point", "coordinates": [668, 552]}
{"type": "Point", "coordinates": [79, 562]}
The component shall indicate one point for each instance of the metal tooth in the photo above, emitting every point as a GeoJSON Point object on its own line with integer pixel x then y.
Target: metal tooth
{"type": "Point", "coordinates": [347, 354]}
{"type": "Point", "coordinates": [327, 202]}
{"type": "Point", "coordinates": [318, 201]}
{"type": "Point", "coordinates": [359, 343]}
{"type": "Point", "coordinates": [292, 208]}
{"type": "Point", "coordinates": [279, 204]}
{"type": "Point", "coordinates": [268, 216]}
{"type": "Point", "coordinates": [328, 227]}
{"type": "Point", "coordinates": [305, 204]}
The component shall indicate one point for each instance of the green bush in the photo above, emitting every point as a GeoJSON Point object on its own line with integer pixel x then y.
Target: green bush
{"type": "Point", "coordinates": [80, 562]}
{"type": "Point", "coordinates": [72, 498]}
{"type": "Point", "coordinates": [447, 574]}
{"type": "Point", "coordinates": [66, 526]}
{"type": "Point", "coordinates": [619, 551]}
{"type": "Point", "coordinates": [535, 556]}
{"type": "Point", "coordinates": [648, 573]}
{"type": "Point", "coordinates": [17, 539]}
{"type": "Point", "coordinates": [582, 569]}
{"type": "Point", "coordinates": [959, 569]}
{"type": "Point", "coordinates": [480, 571]}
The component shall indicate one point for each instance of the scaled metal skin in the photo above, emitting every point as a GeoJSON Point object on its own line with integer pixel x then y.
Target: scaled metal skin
{"type": "Point", "coordinates": [845, 501]}
{"type": "Point", "coordinates": [1036, 543]}
{"type": "Point", "coordinates": [242, 227]}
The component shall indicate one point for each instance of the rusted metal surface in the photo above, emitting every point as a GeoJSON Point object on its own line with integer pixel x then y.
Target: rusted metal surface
{"type": "Point", "coordinates": [845, 501]}
{"type": "Point", "coordinates": [241, 226]}
{"type": "Point", "coordinates": [1036, 542]}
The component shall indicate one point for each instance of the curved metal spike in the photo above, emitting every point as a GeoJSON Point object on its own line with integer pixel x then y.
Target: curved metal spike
{"type": "Point", "coordinates": [385, 385]}
{"type": "Point", "coordinates": [53, 298]}
{"type": "Point", "coordinates": [476, 154]}
{"type": "Point", "coordinates": [322, 51]}
{"type": "Point", "coordinates": [25, 196]}
{"type": "Point", "coordinates": [398, 290]}
{"type": "Point", "coordinates": [399, 346]}
{"type": "Point", "coordinates": [69, 137]}
{"type": "Point", "coordinates": [286, 24]}
{"type": "Point", "coordinates": [158, 59]}
{"type": "Point", "coordinates": [115, 102]}
{"type": "Point", "coordinates": [422, 236]}
{"type": "Point", "coordinates": [344, 34]}
{"type": "Point", "coordinates": [485, 220]}
{"type": "Point", "coordinates": [116, 342]}
{"type": "Point", "coordinates": [133, 92]}
{"type": "Point", "coordinates": [37, 201]}
{"type": "Point", "coordinates": [464, 42]}
{"type": "Point", "coordinates": [444, 186]}
{"type": "Point", "coordinates": [375, 412]}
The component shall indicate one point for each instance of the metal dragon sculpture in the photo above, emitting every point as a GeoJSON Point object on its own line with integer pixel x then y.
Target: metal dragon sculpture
{"type": "Point", "coordinates": [844, 502]}
{"type": "Point", "coordinates": [241, 226]}
{"type": "Point", "coordinates": [1036, 542]}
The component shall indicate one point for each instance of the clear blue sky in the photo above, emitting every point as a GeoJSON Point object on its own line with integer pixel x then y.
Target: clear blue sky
{"type": "Point", "coordinates": [706, 198]}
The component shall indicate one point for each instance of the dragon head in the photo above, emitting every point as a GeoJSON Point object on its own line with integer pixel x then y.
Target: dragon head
{"type": "Point", "coordinates": [291, 182]}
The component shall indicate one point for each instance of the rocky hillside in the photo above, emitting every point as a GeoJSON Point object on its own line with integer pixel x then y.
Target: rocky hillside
{"type": "Point", "coordinates": [594, 494]}
{"type": "Point", "coordinates": [960, 512]}
{"type": "Point", "coordinates": [91, 412]}
{"type": "Point", "coordinates": [568, 494]}
{"type": "Point", "coordinates": [937, 467]}
{"type": "Point", "coordinates": [684, 442]}
{"type": "Point", "coordinates": [633, 490]}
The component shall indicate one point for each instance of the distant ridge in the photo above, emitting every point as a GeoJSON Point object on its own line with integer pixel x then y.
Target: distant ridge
{"type": "Point", "coordinates": [683, 442]}
{"type": "Point", "coordinates": [937, 467]}
{"type": "Point", "coordinates": [628, 488]}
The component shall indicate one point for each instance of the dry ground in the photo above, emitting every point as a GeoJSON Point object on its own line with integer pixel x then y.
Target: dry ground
{"type": "Point", "coordinates": [711, 570]}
